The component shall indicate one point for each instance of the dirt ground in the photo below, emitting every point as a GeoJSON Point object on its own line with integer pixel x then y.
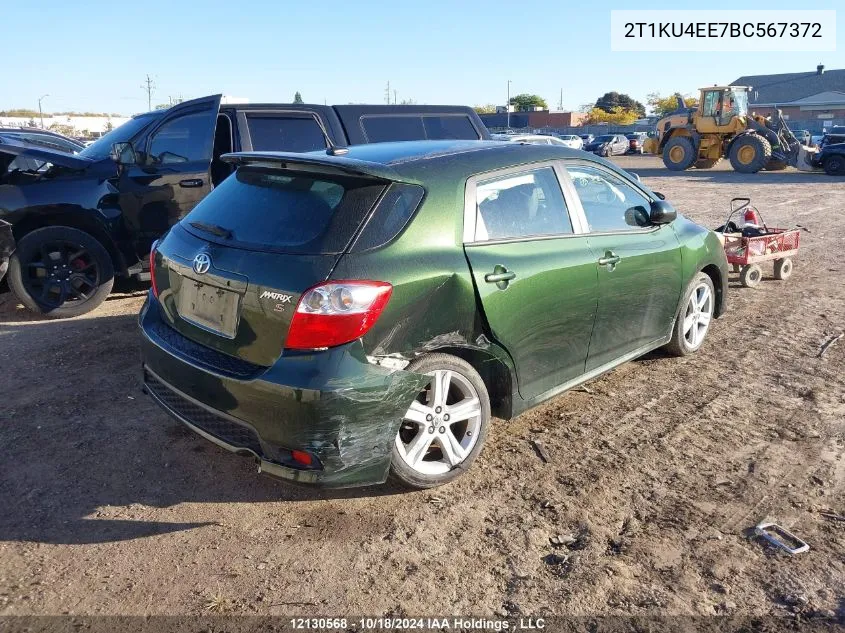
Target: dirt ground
{"type": "Point", "coordinates": [657, 471]}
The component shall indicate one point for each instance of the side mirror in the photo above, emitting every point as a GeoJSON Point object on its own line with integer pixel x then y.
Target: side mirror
{"type": "Point", "coordinates": [123, 154]}
{"type": "Point", "coordinates": [661, 212]}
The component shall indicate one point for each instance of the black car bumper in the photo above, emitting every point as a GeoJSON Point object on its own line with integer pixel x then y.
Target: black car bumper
{"type": "Point", "coordinates": [333, 404]}
{"type": "Point", "coordinates": [7, 246]}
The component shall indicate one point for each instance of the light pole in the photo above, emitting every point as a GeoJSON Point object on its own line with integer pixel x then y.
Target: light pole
{"type": "Point", "coordinates": [507, 105]}
{"type": "Point", "coordinates": [40, 114]}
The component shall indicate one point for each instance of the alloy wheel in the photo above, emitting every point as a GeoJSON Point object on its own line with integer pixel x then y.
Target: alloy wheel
{"type": "Point", "coordinates": [441, 427]}
{"type": "Point", "coordinates": [61, 272]}
{"type": "Point", "coordinates": [697, 316]}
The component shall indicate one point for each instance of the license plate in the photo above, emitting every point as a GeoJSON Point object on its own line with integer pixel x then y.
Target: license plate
{"type": "Point", "coordinates": [209, 307]}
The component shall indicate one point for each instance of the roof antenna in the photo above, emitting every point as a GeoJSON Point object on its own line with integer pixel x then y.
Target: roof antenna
{"type": "Point", "coordinates": [333, 150]}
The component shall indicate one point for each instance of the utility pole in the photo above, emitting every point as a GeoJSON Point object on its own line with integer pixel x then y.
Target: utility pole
{"type": "Point", "coordinates": [387, 93]}
{"type": "Point", "coordinates": [149, 87]}
{"type": "Point", "coordinates": [41, 114]}
{"type": "Point", "coordinates": [394, 97]}
{"type": "Point", "coordinates": [508, 104]}
{"type": "Point", "coordinates": [560, 103]}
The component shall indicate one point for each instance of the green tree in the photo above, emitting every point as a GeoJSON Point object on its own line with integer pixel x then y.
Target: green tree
{"type": "Point", "coordinates": [109, 126]}
{"type": "Point", "coordinates": [297, 98]}
{"type": "Point", "coordinates": [61, 128]}
{"type": "Point", "coordinates": [31, 123]}
{"type": "Point", "coordinates": [162, 106]}
{"type": "Point", "coordinates": [485, 109]}
{"type": "Point", "coordinates": [610, 100]}
{"type": "Point", "coordinates": [617, 116]}
{"type": "Point", "coordinates": [661, 106]}
{"type": "Point", "coordinates": [526, 101]}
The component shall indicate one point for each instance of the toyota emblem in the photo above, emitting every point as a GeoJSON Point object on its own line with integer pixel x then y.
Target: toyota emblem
{"type": "Point", "coordinates": [202, 263]}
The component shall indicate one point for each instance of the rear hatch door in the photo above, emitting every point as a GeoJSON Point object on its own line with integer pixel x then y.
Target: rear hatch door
{"type": "Point", "coordinates": [230, 274]}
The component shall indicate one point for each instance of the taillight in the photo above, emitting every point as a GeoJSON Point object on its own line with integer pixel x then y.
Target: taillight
{"type": "Point", "coordinates": [337, 312]}
{"type": "Point", "coordinates": [153, 268]}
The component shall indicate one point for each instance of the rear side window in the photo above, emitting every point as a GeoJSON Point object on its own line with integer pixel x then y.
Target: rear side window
{"type": "Point", "coordinates": [269, 209]}
{"type": "Point", "coordinates": [288, 133]}
{"type": "Point", "coordinates": [449, 127]}
{"type": "Point", "coordinates": [382, 129]}
{"type": "Point", "coordinates": [390, 218]}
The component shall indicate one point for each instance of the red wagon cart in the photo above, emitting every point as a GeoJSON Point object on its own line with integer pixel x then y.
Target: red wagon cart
{"type": "Point", "coordinates": [746, 251]}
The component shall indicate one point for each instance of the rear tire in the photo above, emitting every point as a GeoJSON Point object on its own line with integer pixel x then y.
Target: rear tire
{"type": "Point", "coordinates": [834, 165]}
{"type": "Point", "coordinates": [783, 268]}
{"type": "Point", "coordinates": [61, 272]}
{"type": "Point", "coordinates": [679, 153]}
{"type": "Point", "coordinates": [693, 321]}
{"type": "Point", "coordinates": [750, 153]}
{"type": "Point", "coordinates": [750, 276]}
{"type": "Point", "coordinates": [443, 431]}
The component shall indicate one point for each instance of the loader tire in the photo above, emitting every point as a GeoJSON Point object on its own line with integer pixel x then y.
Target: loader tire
{"type": "Point", "coordinates": [679, 153]}
{"type": "Point", "coordinates": [707, 163]}
{"type": "Point", "coordinates": [750, 153]}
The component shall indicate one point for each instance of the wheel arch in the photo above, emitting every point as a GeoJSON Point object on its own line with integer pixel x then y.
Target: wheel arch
{"type": "Point", "coordinates": [715, 274]}
{"type": "Point", "coordinates": [80, 220]}
{"type": "Point", "coordinates": [497, 375]}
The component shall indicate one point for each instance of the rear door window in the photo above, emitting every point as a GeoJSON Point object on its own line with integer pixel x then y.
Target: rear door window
{"type": "Point", "coordinates": [287, 133]}
{"type": "Point", "coordinates": [521, 205]}
{"type": "Point", "coordinates": [270, 209]}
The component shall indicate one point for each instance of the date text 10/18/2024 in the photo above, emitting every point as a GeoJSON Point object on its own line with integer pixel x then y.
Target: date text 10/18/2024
{"type": "Point", "coordinates": [419, 624]}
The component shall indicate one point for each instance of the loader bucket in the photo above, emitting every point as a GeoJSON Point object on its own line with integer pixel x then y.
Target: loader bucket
{"type": "Point", "coordinates": [650, 146]}
{"type": "Point", "coordinates": [804, 160]}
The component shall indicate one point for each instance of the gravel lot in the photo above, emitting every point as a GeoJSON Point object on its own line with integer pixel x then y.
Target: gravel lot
{"type": "Point", "coordinates": [657, 472]}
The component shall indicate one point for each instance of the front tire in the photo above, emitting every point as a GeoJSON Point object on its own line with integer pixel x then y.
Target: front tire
{"type": "Point", "coordinates": [834, 165]}
{"type": "Point", "coordinates": [61, 272]}
{"type": "Point", "coordinates": [693, 320]}
{"type": "Point", "coordinates": [750, 153]}
{"type": "Point", "coordinates": [679, 153]}
{"type": "Point", "coordinates": [445, 427]}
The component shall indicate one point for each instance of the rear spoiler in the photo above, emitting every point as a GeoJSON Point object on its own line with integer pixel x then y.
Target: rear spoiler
{"type": "Point", "coordinates": [315, 162]}
{"type": "Point", "coordinates": [16, 148]}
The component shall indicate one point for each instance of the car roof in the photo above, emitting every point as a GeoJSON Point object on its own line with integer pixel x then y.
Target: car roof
{"type": "Point", "coordinates": [420, 161]}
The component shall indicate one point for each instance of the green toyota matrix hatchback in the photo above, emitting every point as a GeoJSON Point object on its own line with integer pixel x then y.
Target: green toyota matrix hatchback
{"type": "Point", "coordinates": [348, 316]}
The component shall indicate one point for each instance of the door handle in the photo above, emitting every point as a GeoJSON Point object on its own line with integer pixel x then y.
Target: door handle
{"type": "Point", "coordinates": [493, 278]}
{"type": "Point", "coordinates": [191, 182]}
{"type": "Point", "coordinates": [610, 259]}
{"type": "Point", "coordinates": [500, 276]}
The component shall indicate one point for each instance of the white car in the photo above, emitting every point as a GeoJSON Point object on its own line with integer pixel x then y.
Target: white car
{"type": "Point", "coordinates": [571, 140]}
{"type": "Point", "coordinates": [534, 139]}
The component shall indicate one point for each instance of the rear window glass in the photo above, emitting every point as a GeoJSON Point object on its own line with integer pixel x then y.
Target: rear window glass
{"type": "Point", "coordinates": [285, 133]}
{"type": "Point", "coordinates": [381, 129]}
{"type": "Point", "coordinates": [269, 209]}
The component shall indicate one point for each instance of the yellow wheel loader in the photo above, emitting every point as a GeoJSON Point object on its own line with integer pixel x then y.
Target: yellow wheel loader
{"type": "Point", "coordinates": [721, 127]}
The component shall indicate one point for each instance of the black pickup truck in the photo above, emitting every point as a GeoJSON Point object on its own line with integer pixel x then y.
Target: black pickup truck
{"type": "Point", "coordinates": [79, 220]}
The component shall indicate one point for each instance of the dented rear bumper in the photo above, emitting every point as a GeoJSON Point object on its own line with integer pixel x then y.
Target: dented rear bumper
{"type": "Point", "coordinates": [332, 404]}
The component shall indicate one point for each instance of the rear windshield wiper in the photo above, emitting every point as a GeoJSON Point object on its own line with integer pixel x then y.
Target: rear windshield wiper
{"type": "Point", "coordinates": [214, 229]}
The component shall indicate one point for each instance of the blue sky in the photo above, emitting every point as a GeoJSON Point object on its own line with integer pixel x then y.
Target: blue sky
{"type": "Point", "coordinates": [94, 55]}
